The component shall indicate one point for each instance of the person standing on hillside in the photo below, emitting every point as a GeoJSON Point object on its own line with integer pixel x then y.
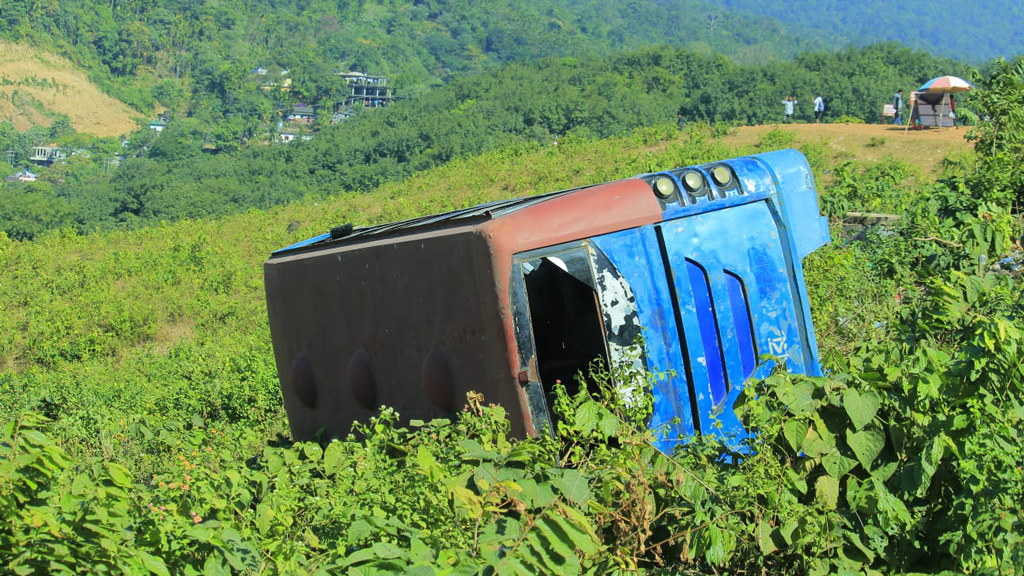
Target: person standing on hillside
{"type": "Point", "coordinates": [897, 104]}
{"type": "Point", "coordinates": [788, 105]}
{"type": "Point", "coordinates": [819, 108]}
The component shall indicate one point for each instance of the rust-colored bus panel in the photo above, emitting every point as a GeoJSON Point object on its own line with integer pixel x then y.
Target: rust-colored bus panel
{"type": "Point", "coordinates": [416, 319]}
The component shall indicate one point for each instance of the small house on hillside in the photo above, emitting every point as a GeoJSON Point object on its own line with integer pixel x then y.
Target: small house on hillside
{"type": "Point", "coordinates": [370, 91]}
{"type": "Point", "coordinates": [46, 155]}
{"type": "Point", "coordinates": [290, 134]}
{"type": "Point", "coordinates": [25, 176]}
{"type": "Point", "coordinates": [302, 113]}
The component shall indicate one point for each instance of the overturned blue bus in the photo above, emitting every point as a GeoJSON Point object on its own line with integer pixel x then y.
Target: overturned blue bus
{"type": "Point", "coordinates": [508, 297]}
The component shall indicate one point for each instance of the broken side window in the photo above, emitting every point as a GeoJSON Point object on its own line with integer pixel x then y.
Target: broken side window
{"type": "Point", "coordinates": [581, 314]}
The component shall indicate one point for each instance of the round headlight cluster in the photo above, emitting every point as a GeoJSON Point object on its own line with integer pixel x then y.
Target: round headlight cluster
{"type": "Point", "coordinates": [664, 187]}
{"type": "Point", "coordinates": [694, 183]}
{"type": "Point", "coordinates": [721, 175]}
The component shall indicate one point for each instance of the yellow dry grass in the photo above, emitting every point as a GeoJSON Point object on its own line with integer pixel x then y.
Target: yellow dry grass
{"type": "Point", "coordinates": [869, 142]}
{"type": "Point", "coordinates": [35, 85]}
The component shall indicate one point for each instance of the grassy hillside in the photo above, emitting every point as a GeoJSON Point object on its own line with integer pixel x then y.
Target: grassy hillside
{"type": "Point", "coordinates": [927, 150]}
{"type": "Point", "coordinates": [168, 312]}
{"type": "Point", "coordinates": [149, 352]}
{"type": "Point", "coordinates": [37, 87]}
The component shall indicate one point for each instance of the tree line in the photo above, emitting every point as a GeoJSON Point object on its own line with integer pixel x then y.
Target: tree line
{"type": "Point", "coordinates": [178, 174]}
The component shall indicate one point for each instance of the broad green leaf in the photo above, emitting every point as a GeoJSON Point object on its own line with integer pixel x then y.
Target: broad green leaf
{"type": "Point", "coordinates": [359, 530]}
{"type": "Point", "coordinates": [818, 442]}
{"type": "Point", "coordinates": [214, 566]}
{"type": "Point", "coordinates": [890, 504]}
{"type": "Point", "coordinates": [795, 432]}
{"type": "Point", "coordinates": [608, 424]}
{"type": "Point", "coordinates": [764, 538]}
{"type": "Point", "coordinates": [153, 563]}
{"type": "Point", "coordinates": [386, 550]}
{"type": "Point", "coordinates": [826, 491]}
{"type": "Point", "coordinates": [577, 526]}
{"type": "Point", "coordinates": [512, 566]}
{"type": "Point", "coordinates": [588, 416]}
{"type": "Point", "coordinates": [721, 543]}
{"type": "Point", "coordinates": [119, 474]}
{"type": "Point", "coordinates": [837, 463]}
{"type": "Point", "coordinates": [574, 485]}
{"type": "Point", "coordinates": [860, 547]}
{"type": "Point", "coordinates": [692, 490]}
{"type": "Point", "coordinates": [575, 536]}
{"type": "Point", "coordinates": [860, 407]}
{"type": "Point", "coordinates": [536, 548]}
{"type": "Point", "coordinates": [787, 531]}
{"type": "Point", "coordinates": [333, 457]}
{"type": "Point", "coordinates": [898, 437]}
{"type": "Point", "coordinates": [884, 470]}
{"type": "Point", "coordinates": [264, 517]}
{"type": "Point", "coordinates": [472, 450]}
{"type": "Point", "coordinates": [357, 557]}
{"type": "Point", "coordinates": [933, 456]}
{"type": "Point", "coordinates": [559, 542]}
{"type": "Point", "coordinates": [797, 480]}
{"type": "Point", "coordinates": [800, 398]}
{"type": "Point", "coordinates": [312, 451]}
{"type": "Point", "coordinates": [428, 464]}
{"type": "Point", "coordinates": [238, 551]}
{"type": "Point", "coordinates": [866, 445]}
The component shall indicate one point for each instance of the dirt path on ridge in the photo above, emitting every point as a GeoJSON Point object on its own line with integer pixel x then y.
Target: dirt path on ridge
{"type": "Point", "coordinates": [869, 142]}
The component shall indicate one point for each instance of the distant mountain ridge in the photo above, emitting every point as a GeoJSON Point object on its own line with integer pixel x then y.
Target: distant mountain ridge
{"type": "Point", "coordinates": [967, 30]}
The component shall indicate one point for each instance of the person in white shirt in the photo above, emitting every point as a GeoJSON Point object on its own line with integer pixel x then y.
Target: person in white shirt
{"type": "Point", "coordinates": [788, 105]}
{"type": "Point", "coordinates": [819, 108]}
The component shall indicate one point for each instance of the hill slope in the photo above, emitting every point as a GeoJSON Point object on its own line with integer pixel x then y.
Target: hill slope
{"type": "Point", "coordinates": [36, 87]}
{"type": "Point", "coordinates": [923, 149]}
{"type": "Point", "coordinates": [199, 51]}
{"type": "Point", "coordinates": [970, 31]}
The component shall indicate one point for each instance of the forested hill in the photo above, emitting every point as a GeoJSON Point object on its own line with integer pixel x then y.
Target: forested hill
{"type": "Point", "coordinates": [971, 30]}
{"type": "Point", "coordinates": [178, 175]}
{"type": "Point", "coordinates": [146, 48]}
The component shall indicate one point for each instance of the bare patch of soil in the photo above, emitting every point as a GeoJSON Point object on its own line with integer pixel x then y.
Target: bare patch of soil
{"type": "Point", "coordinates": [869, 142]}
{"type": "Point", "coordinates": [35, 86]}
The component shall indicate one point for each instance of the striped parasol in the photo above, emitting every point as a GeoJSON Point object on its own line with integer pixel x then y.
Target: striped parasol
{"type": "Point", "coordinates": [946, 84]}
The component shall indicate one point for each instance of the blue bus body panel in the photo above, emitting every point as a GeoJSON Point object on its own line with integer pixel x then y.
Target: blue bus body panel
{"type": "Point", "coordinates": [719, 283]}
{"type": "Point", "coordinates": [637, 257]}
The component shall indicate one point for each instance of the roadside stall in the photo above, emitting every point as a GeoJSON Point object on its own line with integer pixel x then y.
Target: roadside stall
{"type": "Point", "coordinates": [934, 105]}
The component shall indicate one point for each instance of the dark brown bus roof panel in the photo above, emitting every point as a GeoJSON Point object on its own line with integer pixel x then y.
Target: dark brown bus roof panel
{"type": "Point", "coordinates": [578, 198]}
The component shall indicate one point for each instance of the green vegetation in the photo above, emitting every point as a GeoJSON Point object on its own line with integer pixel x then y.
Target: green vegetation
{"type": "Point", "coordinates": [184, 55]}
{"type": "Point", "coordinates": [195, 168]}
{"type": "Point", "coordinates": [143, 418]}
{"type": "Point", "coordinates": [968, 31]}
